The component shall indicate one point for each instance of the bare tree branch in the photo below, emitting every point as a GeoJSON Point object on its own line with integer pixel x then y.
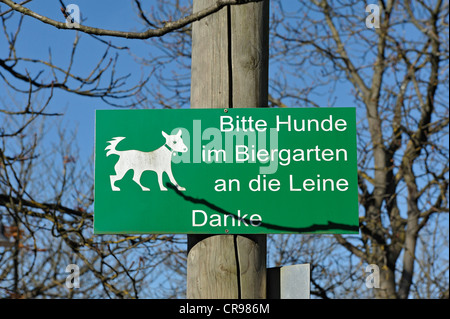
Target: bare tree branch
{"type": "Point", "coordinates": [159, 32]}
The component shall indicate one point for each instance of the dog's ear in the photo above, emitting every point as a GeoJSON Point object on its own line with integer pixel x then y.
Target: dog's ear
{"type": "Point", "coordinates": [164, 134]}
{"type": "Point", "coordinates": [179, 133]}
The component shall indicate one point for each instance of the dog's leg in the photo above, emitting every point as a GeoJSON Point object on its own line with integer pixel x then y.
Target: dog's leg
{"type": "Point", "coordinates": [114, 178]}
{"type": "Point", "coordinates": [137, 178]}
{"type": "Point", "coordinates": [120, 173]}
{"type": "Point", "coordinates": [120, 170]}
{"type": "Point", "coordinates": [160, 181]}
{"type": "Point", "coordinates": [173, 181]}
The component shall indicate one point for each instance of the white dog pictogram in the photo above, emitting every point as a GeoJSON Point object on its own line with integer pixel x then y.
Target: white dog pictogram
{"type": "Point", "coordinates": [159, 161]}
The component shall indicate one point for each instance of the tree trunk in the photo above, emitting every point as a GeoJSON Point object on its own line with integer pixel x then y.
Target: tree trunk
{"type": "Point", "coordinates": [229, 69]}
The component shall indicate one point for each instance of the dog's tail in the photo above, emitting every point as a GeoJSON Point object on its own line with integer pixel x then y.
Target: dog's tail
{"type": "Point", "coordinates": [112, 147]}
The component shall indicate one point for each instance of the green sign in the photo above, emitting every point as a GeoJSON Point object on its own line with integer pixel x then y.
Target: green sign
{"type": "Point", "coordinates": [219, 171]}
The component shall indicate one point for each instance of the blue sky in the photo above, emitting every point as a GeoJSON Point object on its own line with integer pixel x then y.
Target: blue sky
{"type": "Point", "coordinates": [36, 39]}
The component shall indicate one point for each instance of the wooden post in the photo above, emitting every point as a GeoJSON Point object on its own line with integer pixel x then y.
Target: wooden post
{"type": "Point", "coordinates": [230, 52]}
